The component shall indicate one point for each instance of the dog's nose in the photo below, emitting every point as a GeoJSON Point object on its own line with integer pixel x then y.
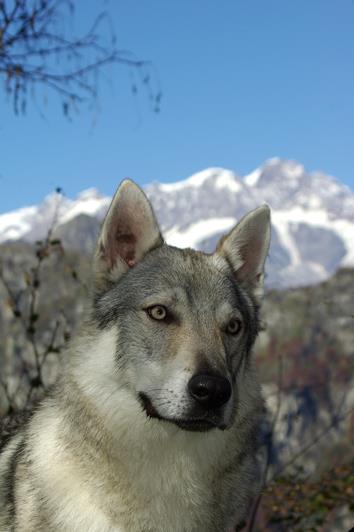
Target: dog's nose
{"type": "Point", "coordinates": [209, 390]}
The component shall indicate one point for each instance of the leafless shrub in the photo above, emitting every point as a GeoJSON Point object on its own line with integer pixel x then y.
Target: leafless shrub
{"type": "Point", "coordinates": [29, 368]}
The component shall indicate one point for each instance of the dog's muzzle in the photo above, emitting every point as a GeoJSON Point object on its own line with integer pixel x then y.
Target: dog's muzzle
{"type": "Point", "coordinates": [208, 393]}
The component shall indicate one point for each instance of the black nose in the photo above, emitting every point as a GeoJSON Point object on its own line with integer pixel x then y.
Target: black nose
{"type": "Point", "coordinates": [209, 390]}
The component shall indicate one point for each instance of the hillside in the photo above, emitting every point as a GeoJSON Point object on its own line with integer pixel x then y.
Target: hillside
{"type": "Point", "coordinates": [305, 356]}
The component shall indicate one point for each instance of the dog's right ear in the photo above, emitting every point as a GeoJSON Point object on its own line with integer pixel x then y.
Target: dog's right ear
{"type": "Point", "coordinates": [129, 231]}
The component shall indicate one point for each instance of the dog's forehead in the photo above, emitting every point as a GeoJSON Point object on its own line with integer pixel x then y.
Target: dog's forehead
{"type": "Point", "coordinates": [170, 276]}
{"type": "Point", "coordinates": [189, 274]}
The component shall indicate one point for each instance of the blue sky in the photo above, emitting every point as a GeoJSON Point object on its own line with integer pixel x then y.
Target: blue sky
{"type": "Point", "coordinates": [242, 81]}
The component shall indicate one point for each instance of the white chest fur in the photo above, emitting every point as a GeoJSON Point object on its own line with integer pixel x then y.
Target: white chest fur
{"type": "Point", "coordinates": [158, 479]}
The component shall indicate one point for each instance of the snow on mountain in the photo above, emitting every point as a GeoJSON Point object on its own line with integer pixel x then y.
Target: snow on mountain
{"type": "Point", "coordinates": [32, 223]}
{"type": "Point", "coordinates": [89, 202]}
{"type": "Point", "coordinates": [285, 184]}
{"type": "Point", "coordinates": [219, 177]}
{"type": "Point", "coordinates": [312, 217]}
{"type": "Point", "coordinates": [212, 193]}
{"type": "Point", "coordinates": [16, 224]}
{"type": "Point", "coordinates": [197, 232]}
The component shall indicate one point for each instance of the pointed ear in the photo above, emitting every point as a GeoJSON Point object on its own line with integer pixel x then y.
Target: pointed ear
{"type": "Point", "coordinates": [246, 247]}
{"type": "Point", "coordinates": [129, 231]}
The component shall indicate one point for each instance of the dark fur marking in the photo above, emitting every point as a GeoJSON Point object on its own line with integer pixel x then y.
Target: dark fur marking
{"type": "Point", "coordinates": [122, 243]}
{"type": "Point", "coordinates": [10, 425]}
{"type": "Point", "coordinates": [10, 482]}
{"type": "Point", "coordinates": [125, 244]}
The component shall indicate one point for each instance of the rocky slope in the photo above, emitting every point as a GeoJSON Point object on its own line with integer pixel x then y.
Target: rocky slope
{"type": "Point", "coordinates": [305, 354]}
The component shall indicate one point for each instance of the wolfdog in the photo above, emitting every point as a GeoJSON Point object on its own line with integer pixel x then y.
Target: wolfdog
{"type": "Point", "coordinates": [152, 426]}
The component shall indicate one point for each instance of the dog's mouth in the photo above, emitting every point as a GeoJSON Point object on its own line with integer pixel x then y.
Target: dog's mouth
{"type": "Point", "coordinates": [148, 406]}
{"type": "Point", "coordinates": [191, 424]}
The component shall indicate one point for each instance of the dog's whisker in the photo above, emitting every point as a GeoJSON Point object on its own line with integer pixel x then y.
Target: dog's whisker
{"type": "Point", "coordinates": [163, 403]}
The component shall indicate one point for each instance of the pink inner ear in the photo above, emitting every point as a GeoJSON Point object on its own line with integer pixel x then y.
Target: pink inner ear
{"type": "Point", "coordinates": [129, 230]}
{"type": "Point", "coordinates": [121, 244]}
{"type": "Point", "coordinates": [251, 257]}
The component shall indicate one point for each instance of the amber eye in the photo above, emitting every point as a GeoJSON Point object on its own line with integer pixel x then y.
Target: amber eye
{"type": "Point", "coordinates": [157, 312]}
{"type": "Point", "coordinates": [234, 326]}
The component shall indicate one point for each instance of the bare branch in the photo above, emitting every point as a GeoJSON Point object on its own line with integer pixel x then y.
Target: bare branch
{"type": "Point", "coordinates": [35, 51]}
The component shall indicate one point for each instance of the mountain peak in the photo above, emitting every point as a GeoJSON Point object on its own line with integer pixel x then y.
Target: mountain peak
{"type": "Point", "coordinates": [219, 176]}
{"type": "Point", "coordinates": [275, 170]}
{"type": "Point", "coordinates": [285, 183]}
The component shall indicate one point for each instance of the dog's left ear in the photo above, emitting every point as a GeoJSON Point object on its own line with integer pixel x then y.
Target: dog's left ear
{"type": "Point", "coordinates": [246, 247]}
{"type": "Point", "coordinates": [129, 231]}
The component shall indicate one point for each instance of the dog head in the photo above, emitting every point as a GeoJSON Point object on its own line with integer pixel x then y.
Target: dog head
{"type": "Point", "coordinates": [185, 321]}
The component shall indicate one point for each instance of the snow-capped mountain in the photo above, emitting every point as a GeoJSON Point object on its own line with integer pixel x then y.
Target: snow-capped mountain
{"type": "Point", "coordinates": [312, 217]}
{"type": "Point", "coordinates": [32, 223]}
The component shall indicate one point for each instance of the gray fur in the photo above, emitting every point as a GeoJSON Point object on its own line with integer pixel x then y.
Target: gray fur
{"type": "Point", "coordinates": [121, 445]}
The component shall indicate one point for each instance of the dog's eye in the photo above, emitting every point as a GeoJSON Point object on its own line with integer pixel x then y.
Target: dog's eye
{"type": "Point", "coordinates": [157, 312]}
{"type": "Point", "coordinates": [234, 326]}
